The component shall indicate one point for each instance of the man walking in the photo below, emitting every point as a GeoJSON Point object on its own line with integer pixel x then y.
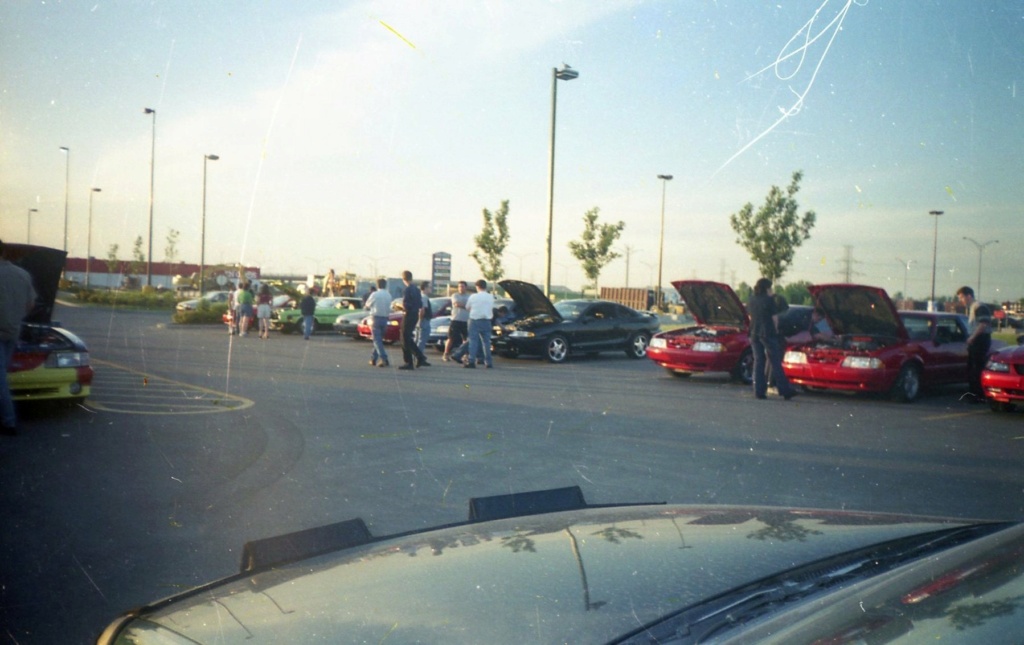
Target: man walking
{"type": "Point", "coordinates": [412, 302]}
{"type": "Point", "coordinates": [979, 323]}
{"type": "Point", "coordinates": [481, 310]}
{"type": "Point", "coordinates": [379, 305]}
{"type": "Point", "coordinates": [17, 297]}
{"type": "Point", "coordinates": [307, 307]}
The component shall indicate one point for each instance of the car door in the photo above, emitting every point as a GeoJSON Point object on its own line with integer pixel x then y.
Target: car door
{"type": "Point", "coordinates": [597, 328]}
{"type": "Point", "coordinates": [950, 350]}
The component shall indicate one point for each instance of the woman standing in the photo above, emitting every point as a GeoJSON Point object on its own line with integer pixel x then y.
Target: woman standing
{"type": "Point", "coordinates": [263, 308]}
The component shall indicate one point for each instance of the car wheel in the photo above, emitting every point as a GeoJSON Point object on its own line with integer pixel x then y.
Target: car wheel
{"type": "Point", "coordinates": [287, 328]}
{"type": "Point", "coordinates": [638, 345]}
{"type": "Point", "coordinates": [744, 370]}
{"type": "Point", "coordinates": [908, 384]}
{"type": "Point", "coordinates": [679, 374]}
{"type": "Point", "coordinates": [1000, 406]}
{"type": "Point", "coordinates": [557, 349]}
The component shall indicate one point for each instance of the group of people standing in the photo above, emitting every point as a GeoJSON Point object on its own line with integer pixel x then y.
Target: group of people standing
{"type": "Point", "coordinates": [247, 305]}
{"type": "Point", "coordinates": [468, 334]}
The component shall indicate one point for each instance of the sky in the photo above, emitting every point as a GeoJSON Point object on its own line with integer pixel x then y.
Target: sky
{"type": "Point", "coordinates": [365, 136]}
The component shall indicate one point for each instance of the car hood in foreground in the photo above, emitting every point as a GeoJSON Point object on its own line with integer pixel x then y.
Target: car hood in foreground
{"type": "Point", "coordinates": [529, 299]}
{"type": "Point", "coordinates": [45, 266]}
{"type": "Point", "coordinates": [585, 574]}
{"type": "Point", "coordinates": [712, 303]}
{"type": "Point", "coordinates": [857, 309]}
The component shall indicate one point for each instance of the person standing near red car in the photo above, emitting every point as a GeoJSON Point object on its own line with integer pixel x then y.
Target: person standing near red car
{"type": "Point", "coordinates": [765, 341]}
{"type": "Point", "coordinates": [979, 322]}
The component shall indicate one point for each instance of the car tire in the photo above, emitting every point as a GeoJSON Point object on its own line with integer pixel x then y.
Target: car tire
{"type": "Point", "coordinates": [908, 384]}
{"type": "Point", "coordinates": [557, 349]}
{"type": "Point", "coordinates": [744, 370]}
{"type": "Point", "coordinates": [679, 374]}
{"type": "Point", "coordinates": [288, 328]}
{"type": "Point", "coordinates": [637, 347]}
{"type": "Point", "coordinates": [1000, 406]}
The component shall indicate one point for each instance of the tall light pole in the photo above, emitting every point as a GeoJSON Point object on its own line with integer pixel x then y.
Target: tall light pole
{"type": "Point", "coordinates": [88, 240]}
{"type": "Point", "coordinates": [659, 297]}
{"type": "Point", "coordinates": [566, 73]}
{"type": "Point", "coordinates": [202, 239]}
{"type": "Point", "coordinates": [981, 247]}
{"type": "Point", "coordinates": [935, 249]}
{"type": "Point", "coordinates": [152, 175]}
{"type": "Point", "coordinates": [906, 269]}
{"type": "Point", "coordinates": [28, 220]}
{"type": "Point", "coordinates": [67, 181]}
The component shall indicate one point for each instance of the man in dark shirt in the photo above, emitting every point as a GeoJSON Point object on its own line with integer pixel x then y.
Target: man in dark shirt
{"type": "Point", "coordinates": [979, 319]}
{"type": "Point", "coordinates": [412, 302]}
{"type": "Point", "coordinates": [765, 342]}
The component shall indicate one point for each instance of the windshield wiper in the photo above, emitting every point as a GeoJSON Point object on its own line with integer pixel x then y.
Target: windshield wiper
{"type": "Point", "coordinates": [710, 618]}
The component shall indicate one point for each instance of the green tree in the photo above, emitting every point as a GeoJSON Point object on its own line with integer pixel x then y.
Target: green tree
{"type": "Point", "coordinates": [491, 243]}
{"type": "Point", "coordinates": [773, 234]}
{"type": "Point", "coordinates": [112, 262]}
{"type": "Point", "coordinates": [138, 257]}
{"type": "Point", "coordinates": [171, 250]}
{"type": "Point", "coordinates": [796, 293]}
{"type": "Point", "coordinates": [594, 249]}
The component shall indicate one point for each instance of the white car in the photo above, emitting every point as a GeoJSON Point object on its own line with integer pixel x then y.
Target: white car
{"type": "Point", "coordinates": [213, 297]}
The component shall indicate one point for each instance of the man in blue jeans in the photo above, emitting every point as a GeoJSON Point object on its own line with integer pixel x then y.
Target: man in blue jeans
{"type": "Point", "coordinates": [307, 307]}
{"type": "Point", "coordinates": [17, 297]}
{"type": "Point", "coordinates": [379, 306]}
{"type": "Point", "coordinates": [481, 310]}
{"type": "Point", "coordinates": [765, 341]}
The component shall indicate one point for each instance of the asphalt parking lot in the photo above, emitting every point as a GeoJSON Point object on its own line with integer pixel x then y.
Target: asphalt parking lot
{"type": "Point", "coordinates": [194, 442]}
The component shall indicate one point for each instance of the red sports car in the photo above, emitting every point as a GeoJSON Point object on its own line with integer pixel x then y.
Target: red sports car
{"type": "Point", "coordinates": [719, 342]}
{"type": "Point", "coordinates": [393, 333]}
{"type": "Point", "coordinates": [1003, 379]}
{"type": "Point", "coordinates": [877, 349]}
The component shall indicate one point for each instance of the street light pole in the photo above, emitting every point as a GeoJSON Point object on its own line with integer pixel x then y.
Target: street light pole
{"type": "Point", "coordinates": [566, 73]}
{"type": "Point", "coordinates": [981, 247]}
{"type": "Point", "coordinates": [67, 181]}
{"type": "Point", "coordinates": [659, 297]}
{"type": "Point", "coordinates": [88, 241]}
{"type": "Point", "coordinates": [152, 175]}
{"type": "Point", "coordinates": [202, 239]}
{"type": "Point", "coordinates": [28, 220]}
{"type": "Point", "coordinates": [935, 249]}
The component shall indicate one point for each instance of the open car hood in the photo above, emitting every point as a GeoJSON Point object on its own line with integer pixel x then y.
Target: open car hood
{"type": "Point", "coordinates": [530, 300]}
{"type": "Point", "coordinates": [712, 303]}
{"type": "Point", "coordinates": [858, 309]}
{"type": "Point", "coordinates": [45, 266]}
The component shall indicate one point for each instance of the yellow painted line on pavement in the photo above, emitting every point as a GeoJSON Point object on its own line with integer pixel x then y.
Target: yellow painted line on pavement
{"type": "Point", "coordinates": [127, 390]}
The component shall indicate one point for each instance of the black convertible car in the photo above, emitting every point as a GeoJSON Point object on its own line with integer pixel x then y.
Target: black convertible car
{"type": "Point", "coordinates": [546, 567]}
{"type": "Point", "coordinates": [555, 331]}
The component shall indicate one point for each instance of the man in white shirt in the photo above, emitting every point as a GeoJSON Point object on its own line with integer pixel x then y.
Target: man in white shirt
{"type": "Point", "coordinates": [481, 309]}
{"type": "Point", "coordinates": [379, 306]}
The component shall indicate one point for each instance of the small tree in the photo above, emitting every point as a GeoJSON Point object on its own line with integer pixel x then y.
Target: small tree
{"type": "Point", "coordinates": [138, 257]}
{"type": "Point", "coordinates": [594, 249]}
{"type": "Point", "coordinates": [773, 234]}
{"type": "Point", "coordinates": [171, 250]}
{"type": "Point", "coordinates": [491, 243]}
{"type": "Point", "coordinates": [113, 264]}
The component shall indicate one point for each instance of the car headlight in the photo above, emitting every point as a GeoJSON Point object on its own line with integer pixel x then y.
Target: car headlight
{"type": "Point", "coordinates": [658, 343]}
{"type": "Point", "coordinates": [67, 359]}
{"type": "Point", "coordinates": [521, 334]}
{"type": "Point", "coordinates": [862, 363]}
{"type": "Point", "coordinates": [797, 358]}
{"type": "Point", "coordinates": [708, 346]}
{"type": "Point", "coordinates": [442, 329]}
{"type": "Point", "coordinates": [997, 366]}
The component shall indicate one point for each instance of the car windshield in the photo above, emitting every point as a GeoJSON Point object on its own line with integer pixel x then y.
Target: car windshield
{"type": "Point", "coordinates": [164, 161]}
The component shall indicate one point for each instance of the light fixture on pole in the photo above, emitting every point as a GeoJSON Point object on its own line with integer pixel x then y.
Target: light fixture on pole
{"type": "Point", "coordinates": [566, 73]}
{"type": "Point", "coordinates": [981, 247]}
{"type": "Point", "coordinates": [935, 249]}
{"type": "Point", "coordinates": [659, 297]}
{"type": "Point", "coordinates": [202, 238]}
{"type": "Point", "coordinates": [28, 220]}
{"type": "Point", "coordinates": [152, 175]}
{"type": "Point", "coordinates": [88, 241]}
{"type": "Point", "coordinates": [67, 178]}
